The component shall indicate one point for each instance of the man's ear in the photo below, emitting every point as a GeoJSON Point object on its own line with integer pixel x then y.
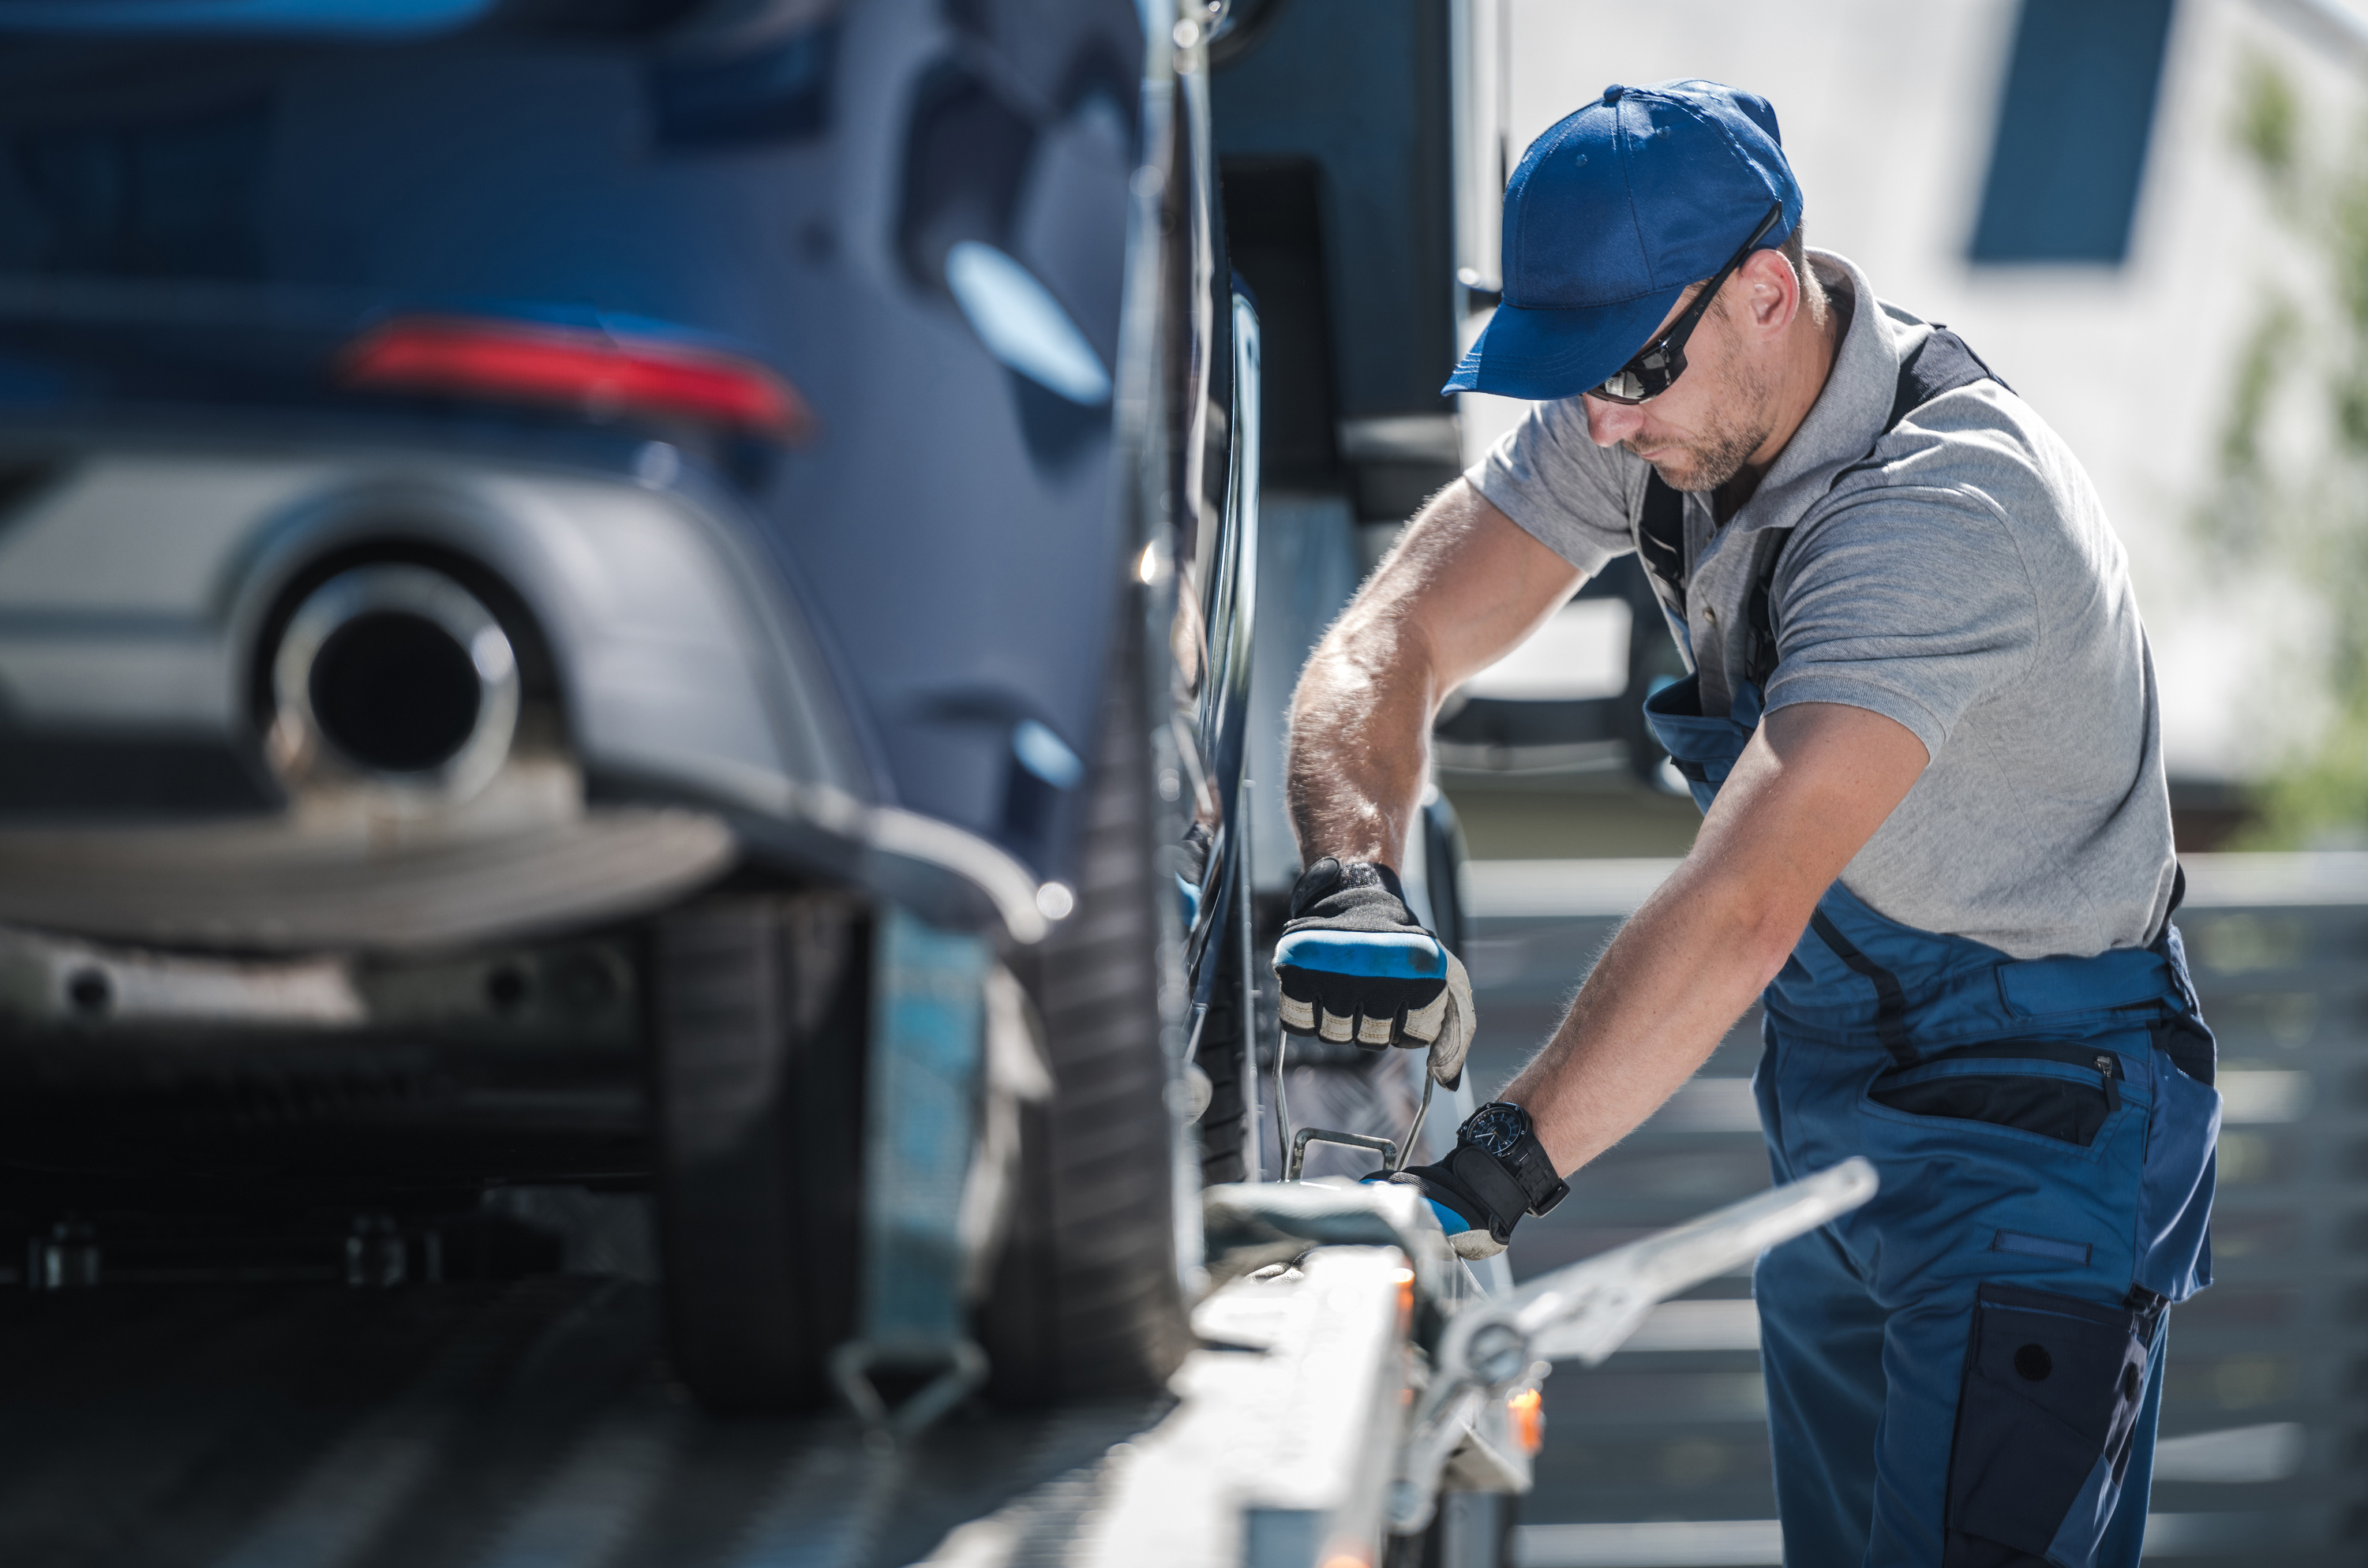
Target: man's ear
{"type": "Point", "coordinates": [1770, 293]}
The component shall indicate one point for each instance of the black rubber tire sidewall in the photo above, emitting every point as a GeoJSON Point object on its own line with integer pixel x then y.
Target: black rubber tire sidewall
{"type": "Point", "coordinates": [1085, 1300]}
{"type": "Point", "coordinates": [758, 1061]}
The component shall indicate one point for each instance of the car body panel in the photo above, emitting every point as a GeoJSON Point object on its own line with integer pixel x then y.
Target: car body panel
{"type": "Point", "coordinates": [937, 557]}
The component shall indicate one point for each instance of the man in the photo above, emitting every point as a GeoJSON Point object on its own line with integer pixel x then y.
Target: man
{"type": "Point", "coordinates": [1922, 725]}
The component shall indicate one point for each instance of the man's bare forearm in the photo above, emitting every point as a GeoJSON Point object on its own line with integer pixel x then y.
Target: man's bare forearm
{"type": "Point", "coordinates": [1662, 996]}
{"type": "Point", "coordinates": [1462, 587]}
{"type": "Point", "coordinates": [1814, 784]}
{"type": "Point", "coordinates": [1361, 739]}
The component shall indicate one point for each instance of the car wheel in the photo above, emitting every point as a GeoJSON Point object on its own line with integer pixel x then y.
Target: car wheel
{"type": "Point", "coordinates": [1087, 1299]}
{"type": "Point", "coordinates": [759, 1006]}
{"type": "Point", "coordinates": [1224, 1052]}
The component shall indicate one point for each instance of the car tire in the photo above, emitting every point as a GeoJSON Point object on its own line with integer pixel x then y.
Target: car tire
{"type": "Point", "coordinates": [1224, 1052]}
{"type": "Point", "coordinates": [1225, 1126]}
{"type": "Point", "coordinates": [758, 1034]}
{"type": "Point", "coordinates": [1087, 1298]}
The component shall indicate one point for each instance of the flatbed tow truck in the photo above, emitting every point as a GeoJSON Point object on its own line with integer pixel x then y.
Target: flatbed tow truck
{"type": "Point", "coordinates": [1357, 1395]}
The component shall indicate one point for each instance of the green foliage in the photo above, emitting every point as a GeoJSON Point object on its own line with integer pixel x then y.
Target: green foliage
{"type": "Point", "coordinates": [2265, 350]}
{"type": "Point", "coordinates": [2306, 517]}
{"type": "Point", "coordinates": [2268, 117]}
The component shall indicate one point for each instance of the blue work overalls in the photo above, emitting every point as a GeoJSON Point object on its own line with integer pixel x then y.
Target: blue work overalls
{"type": "Point", "coordinates": [1965, 1373]}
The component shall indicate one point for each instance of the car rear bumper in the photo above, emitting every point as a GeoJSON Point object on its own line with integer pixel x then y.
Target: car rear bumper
{"type": "Point", "coordinates": [687, 722]}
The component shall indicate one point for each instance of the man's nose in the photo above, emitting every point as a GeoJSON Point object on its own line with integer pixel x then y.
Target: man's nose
{"type": "Point", "coordinates": [1611, 423]}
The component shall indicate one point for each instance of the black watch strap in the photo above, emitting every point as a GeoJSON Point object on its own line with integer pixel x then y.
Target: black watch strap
{"type": "Point", "coordinates": [1499, 1155]}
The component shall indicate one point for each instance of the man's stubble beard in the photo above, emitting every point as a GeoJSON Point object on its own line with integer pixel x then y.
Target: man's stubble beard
{"type": "Point", "coordinates": [1703, 465]}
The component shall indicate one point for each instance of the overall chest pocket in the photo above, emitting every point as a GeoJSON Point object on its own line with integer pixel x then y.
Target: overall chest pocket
{"type": "Point", "coordinates": [2062, 1090]}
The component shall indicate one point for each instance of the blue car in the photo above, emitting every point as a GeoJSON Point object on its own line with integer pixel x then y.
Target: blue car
{"type": "Point", "coordinates": [632, 597]}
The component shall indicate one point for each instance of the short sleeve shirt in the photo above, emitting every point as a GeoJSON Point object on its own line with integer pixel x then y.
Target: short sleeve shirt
{"type": "Point", "coordinates": [1957, 574]}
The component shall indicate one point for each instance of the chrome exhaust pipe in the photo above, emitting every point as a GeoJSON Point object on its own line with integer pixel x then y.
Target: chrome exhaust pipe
{"type": "Point", "coordinates": [395, 677]}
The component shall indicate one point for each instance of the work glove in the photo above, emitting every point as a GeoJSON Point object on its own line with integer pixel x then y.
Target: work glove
{"type": "Point", "coordinates": [1192, 863]}
{"type": "Point", "coordinates": [1496, 1173]}
{"type": "Point", "coordinates": [1355, 966]}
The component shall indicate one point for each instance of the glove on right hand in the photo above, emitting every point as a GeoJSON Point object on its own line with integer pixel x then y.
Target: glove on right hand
{"type": "Point", "coordinates": [1354, 965]}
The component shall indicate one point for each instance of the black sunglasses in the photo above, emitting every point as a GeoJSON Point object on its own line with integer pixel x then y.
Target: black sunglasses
{"type": "Point", "coordinates": [1663, 360]}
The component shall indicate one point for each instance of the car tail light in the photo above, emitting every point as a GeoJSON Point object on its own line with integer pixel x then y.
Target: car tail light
{"type": "Point", "coordinates": [595, 372]}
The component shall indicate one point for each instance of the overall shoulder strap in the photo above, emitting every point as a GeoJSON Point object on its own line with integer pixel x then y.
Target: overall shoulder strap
{"type": "Point", "coordinates": [1941, 363]}
{"type": "Point", "coordinates": [1661, 541]}
{"type": "Point", "coordinates": [1760, 607]}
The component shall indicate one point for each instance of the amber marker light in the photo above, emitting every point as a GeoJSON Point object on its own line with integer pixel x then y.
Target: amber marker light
{"type": "Point", "coordinates": [1526, 1408]}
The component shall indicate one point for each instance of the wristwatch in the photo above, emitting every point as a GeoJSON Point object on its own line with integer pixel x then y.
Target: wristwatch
{"type": "Point", "coordinates": [1501, 1131]}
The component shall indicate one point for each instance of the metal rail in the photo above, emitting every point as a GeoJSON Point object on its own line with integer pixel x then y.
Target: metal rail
{"type": "Point", "coordinates": [1584, 1312]}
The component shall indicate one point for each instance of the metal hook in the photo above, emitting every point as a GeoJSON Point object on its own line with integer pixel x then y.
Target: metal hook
{"type": "Point", "coordinates": [1394, 1155]}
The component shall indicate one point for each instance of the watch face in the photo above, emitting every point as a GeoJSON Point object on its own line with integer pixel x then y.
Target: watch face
{"type": "Point", "coordinates": [1497, 1127]}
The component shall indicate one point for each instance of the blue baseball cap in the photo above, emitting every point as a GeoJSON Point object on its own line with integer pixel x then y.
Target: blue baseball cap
{"type": "Point", "coordinates": [1611, 214]}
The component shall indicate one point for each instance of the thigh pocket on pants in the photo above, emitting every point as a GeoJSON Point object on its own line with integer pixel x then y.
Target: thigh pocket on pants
{"type": "Point", "coordinates": [2052, 1391]}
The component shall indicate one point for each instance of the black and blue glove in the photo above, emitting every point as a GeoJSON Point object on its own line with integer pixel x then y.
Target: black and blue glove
{"type": "Point", "coordinates": [1356, 966]}
{"type": "Point", "coordinates": [1496, 1173]}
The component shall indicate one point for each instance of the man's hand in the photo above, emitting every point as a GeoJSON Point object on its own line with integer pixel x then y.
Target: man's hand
{"type": "Point", "coordinates": [1496, 1173]}
{"type": "Point", "coordinates": [1473, 1229]}
{"type": "Point", "coordinates": [1464, 586]}
{"type": "Point", "coordinates": [1356, 966]}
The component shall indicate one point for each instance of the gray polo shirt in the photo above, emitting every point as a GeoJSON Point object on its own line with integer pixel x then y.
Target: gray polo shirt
{"type": "Point", "coordinates": [1956, 576]}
